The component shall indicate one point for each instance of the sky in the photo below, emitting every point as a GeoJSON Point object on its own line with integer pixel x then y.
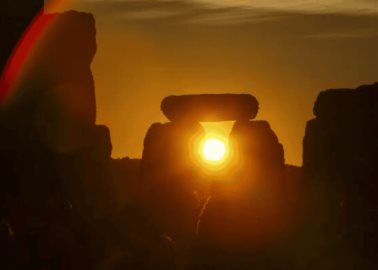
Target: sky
{"type": "Point", "coordinates": [284, 52]}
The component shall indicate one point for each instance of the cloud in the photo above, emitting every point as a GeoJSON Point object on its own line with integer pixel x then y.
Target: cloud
{"type": "Point", "coordinates": [302, 6]}
{"type": "Point", "coordinates": [182, 11]}
{"type": "Point", "coordinates": [231, 17]}
{"type": "Point", "coordinates": [220, 12]}
{"type": "Point", "coordinates": [145, 10]}
{"type": "Point", "coordinates": [346, 34]}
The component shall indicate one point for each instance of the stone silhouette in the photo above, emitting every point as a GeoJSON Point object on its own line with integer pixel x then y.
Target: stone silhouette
{"type": "Point", "coordinates": [340, 151]}
{"type": "Point", "coordinates": [55, 192]}
{"type": "Point", "coordinates": [234, 215]}
{"type": "Point", "coordinates": [210, 107]}
{"type": "Point", "coordinates": [54, 93]}
{"type": "Point", "coordinates": [60, 191]}
{"type": "Point", "coordinates": [248, 216]}
{"type": "Point", "coordinates": [171, 184]}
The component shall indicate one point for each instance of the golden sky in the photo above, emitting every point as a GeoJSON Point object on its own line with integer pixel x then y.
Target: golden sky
{"type": "Point", "coordinates": [282, 51]}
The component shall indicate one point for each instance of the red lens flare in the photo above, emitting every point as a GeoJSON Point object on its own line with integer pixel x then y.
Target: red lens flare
{"type": "Point", "coordinates": [23, 49]}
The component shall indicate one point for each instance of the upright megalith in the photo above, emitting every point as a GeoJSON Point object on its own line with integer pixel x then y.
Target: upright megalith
{"type": "Point", "coordinates": [54, 159]}
{"type": "Point", "coordinates": [210, 107]}
{"type": "Point", "coordinates": [170, 183]}
{"type": "Point", "coordinates": [259, 144]}
{"type": "Point", "coordinates": [340, 151]}
{"type": "Point", "coordinates": [255, 203]}
{"type": "Point", "coordinates": [263, 162]}
{"type": "Point", "coordinates": [53, 96]}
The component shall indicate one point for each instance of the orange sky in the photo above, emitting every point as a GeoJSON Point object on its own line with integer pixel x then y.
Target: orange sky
{"type": "Point", "coordinates": [282, 52]}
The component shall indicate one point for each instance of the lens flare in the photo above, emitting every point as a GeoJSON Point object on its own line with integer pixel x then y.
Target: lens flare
{"type": "Point", "coordinates": [214, 149]}
{"type": "Point", "coordinates": [24, 48]}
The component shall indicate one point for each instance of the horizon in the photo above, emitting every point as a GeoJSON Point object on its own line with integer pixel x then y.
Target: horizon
{"type": "Point", "coordinates": [284, 54]}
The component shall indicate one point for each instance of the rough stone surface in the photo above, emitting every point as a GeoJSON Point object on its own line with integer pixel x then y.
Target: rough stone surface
{"type": "Point", "coordinates": [258, 143]}
{"type": "Point", "coordinates": [60, 63]}
{"type": "Point", "coordinates": [53, 158]}
{"type": "Point", "coordinates": [339, 169]}
{"type": "Point", "coordinates": [54, 95]}
{"type": "Point", "coordinates": [170, 179]}
{"type": "Point", "coordinates": [60, 191]}
{"type": "Point", "coordinates": [249, 215]}
{"type": "Point", "coordinates": [210, 107]}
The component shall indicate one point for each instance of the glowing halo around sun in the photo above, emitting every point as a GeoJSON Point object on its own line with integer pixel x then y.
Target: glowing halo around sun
{"type": "Point", "coordinates": [213, 152]}
{"type": "Point", "coordinates": [213, 149]}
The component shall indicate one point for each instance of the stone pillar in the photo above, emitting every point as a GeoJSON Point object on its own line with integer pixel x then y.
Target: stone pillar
{"type": "Point", "coordinates": [170, 181]}
{"type": "Point", "coordinates": [340, 150]}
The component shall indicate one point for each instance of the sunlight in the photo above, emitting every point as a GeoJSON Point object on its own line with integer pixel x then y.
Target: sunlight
{"type": "Point", "coordinates": [213, 149]}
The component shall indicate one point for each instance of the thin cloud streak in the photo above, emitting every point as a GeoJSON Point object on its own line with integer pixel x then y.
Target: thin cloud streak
{"type": "Point", "coordinates": [225, 11]}
{"type": "Point", "coordinates": [305, 6]}
{"type": "Point", "coordinates": [346, 34]}
{"type": "Point", "coordinates": [172, 11]}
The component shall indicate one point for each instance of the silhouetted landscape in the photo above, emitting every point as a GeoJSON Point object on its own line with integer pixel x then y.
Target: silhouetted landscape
{"type": "Point", "coordinates": [65, 203]}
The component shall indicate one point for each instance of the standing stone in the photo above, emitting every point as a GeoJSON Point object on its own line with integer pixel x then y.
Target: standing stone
{"type": "Point", "coordinates": [340, 151]}
{"type": "Point", "coordinates": [248, 218]}
{"type": "Point", "coordinates": [171, 184]}
{"type": "Point", "coordinates": [54, 160]}
{"type": "Point", "coordinates": [53, 96]}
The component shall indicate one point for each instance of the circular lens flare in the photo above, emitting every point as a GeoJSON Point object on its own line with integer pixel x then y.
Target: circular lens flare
{"type": "Point", "coordinates": [213, 149]}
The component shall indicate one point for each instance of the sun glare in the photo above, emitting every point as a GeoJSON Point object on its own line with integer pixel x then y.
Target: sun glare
{"type": "Point", "coordinates": [213, 149]}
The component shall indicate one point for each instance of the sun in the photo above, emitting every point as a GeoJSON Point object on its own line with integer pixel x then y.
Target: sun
{"type": "Point", "coordinates": [214, 150]}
